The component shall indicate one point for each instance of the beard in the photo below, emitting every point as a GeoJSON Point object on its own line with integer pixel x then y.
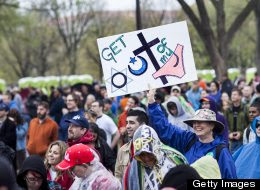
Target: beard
{"type": "Point", "coordinates": [41, 116]}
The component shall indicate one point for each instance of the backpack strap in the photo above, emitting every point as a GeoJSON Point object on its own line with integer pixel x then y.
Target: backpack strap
{"type": "Point", "coordinates": [189, 145]}
{"type": "Point", "coordinates": [248, 130]}
{"type": "Point", "coordinates": [219, 149]}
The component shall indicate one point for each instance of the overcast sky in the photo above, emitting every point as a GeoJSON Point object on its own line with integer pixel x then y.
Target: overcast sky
{"type": "Point", "coordinates": [127, 4]}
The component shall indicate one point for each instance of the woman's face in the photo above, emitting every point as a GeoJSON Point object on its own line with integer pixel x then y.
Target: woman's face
{"type": "Point", "coordinates": [224, 97]}
{"type": "Point", "coordinates": [33, 180]}
{"type": "Point", "coordinates": [94, 134]}
{"type": "Point", "coordinates": [53, 155]}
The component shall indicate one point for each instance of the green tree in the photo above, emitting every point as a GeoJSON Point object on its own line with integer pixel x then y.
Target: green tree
{"type": "Point", "coordinates": [216, 41]}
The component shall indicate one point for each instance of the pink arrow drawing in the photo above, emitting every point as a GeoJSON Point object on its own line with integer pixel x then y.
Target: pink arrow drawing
{"type": "Point", "coordinates": [174, 66]}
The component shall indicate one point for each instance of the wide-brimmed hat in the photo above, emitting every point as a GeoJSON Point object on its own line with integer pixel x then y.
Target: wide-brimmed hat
{"type": "Point", "coordinates": [206, 115]}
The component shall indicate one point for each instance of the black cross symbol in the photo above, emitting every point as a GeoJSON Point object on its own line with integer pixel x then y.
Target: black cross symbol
{"type": "Point", "coordinates": [147, 47]}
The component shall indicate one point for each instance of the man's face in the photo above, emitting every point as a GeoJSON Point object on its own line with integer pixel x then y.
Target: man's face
{"type": "Point", "coordinates": [130, 103]}
{"type": "Point", "coordinates": [195, 85]}
{"type": "Point", "coordinates": [90, 99]}
{"type": "Point", "coordinates": [131, 125]}
{"type": "Point", "coordinates": [70, 102]}
{"type": "Point", "coordinates": [235, 97]}
{"type": "Point", "coordinates": [107, 106]}
{"type": "Point", "coordinates": [247, 91]}
{"type": "Point", "coordinates": [79, 170]}
{"type": "Point", "coordinates": [253, 112]}
{"type": "Point", "coordinates": [41, 112]}
{"type": "Point", "coordinates": [205, 105]}
{"type": "Point", "coordinates": [96, 108]}
{"type": "Point", "coordinates": [75, 132]}
{"type": "Point", "coordinates": [202, 128]}
{"type": "Point", "coordinates": [148, 159]}
{"type": "Point", "coordinates": [213, 87]}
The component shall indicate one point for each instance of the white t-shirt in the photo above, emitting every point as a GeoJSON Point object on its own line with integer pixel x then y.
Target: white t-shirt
{"type": "Point", "coordinates": [107, 124]}
{"type": "Point", "coordinates": [53, 174]}
{"type": "Point", "coordinates": [252, 136]}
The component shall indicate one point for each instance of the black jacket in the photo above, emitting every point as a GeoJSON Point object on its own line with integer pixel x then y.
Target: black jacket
{"type": "Point", "coordinates": [8, 133]}
{"type": "Point", "coordinates": [106, 154]}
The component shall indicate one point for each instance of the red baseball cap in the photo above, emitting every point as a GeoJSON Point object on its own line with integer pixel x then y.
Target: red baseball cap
{"type": "Point", "coordinates": [76, 155]}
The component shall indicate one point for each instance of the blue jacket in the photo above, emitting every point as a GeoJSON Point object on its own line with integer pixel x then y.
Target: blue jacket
{"type": "Point", "coordinates": [247, 157]}
{"type": "Point", "coordinates": [63, 129]}
{"type": "Point", "coordinates": [179, 139]}
{"type": "Point", "coordinates": [21, 131]}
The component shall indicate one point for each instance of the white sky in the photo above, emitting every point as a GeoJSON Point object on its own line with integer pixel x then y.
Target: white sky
{"type": "Point", "coordinates": [126, 4]}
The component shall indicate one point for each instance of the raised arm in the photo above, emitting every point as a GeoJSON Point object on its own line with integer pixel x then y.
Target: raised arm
{"type": "Point", "coordinates": [168, 133]}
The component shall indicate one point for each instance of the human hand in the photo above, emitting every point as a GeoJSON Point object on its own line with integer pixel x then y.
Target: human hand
{"type": "Point", "coordinates": [231, 135]}
{"type": "Point", "coordinates": [122, 130]}
{"type": "Point", "coordinates": [237, 135]}
{"type": "Point", "coordinates": [150, 95]}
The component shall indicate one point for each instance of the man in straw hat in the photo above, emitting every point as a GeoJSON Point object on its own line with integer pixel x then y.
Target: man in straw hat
{"type": "Point", "coordinates": [204, 140]}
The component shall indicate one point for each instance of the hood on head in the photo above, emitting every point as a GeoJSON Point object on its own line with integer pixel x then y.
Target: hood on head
{"type": "Point", "coordinates": [177, 103]}
{"type": "Point", "coordinates": [146, 139]}
{"type": "Point", "coordinates": [34, 163]}
{"type": "Point", "coordinates": [212, 102]}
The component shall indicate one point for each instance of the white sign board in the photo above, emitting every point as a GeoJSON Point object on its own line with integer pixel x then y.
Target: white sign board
{"type": "Point", "coordinates": [159, 56]}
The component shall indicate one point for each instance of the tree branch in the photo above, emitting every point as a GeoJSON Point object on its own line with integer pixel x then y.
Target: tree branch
{"type": "Point", "coordinates": [194, 19]}
{"type": "Point", "coordinates": [239, 20]}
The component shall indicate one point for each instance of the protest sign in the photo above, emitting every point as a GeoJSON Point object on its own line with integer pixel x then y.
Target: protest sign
{"type": "Point", "coordinates": [159, 56]}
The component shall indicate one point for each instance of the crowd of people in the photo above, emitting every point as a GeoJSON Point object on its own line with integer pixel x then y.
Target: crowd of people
{"type": "Point", "coordinates": [79, 139]}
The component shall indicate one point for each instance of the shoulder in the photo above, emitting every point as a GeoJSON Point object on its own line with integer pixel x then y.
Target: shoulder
{"type": "Point", "coordinates": [125, 147]}
{"type": "Point", "coordinates": [50, 121]}
{"type": "Point", "coordinates": [34, 121]}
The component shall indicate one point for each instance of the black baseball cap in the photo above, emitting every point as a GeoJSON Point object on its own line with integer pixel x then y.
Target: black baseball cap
{"type": "Point", "coordinates": [78, 120]}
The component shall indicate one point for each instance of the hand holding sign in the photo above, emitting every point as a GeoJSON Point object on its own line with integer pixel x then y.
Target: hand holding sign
{"type": "Point", "coordinates": [150, 94]}
{"type": "Point", "coordinates": [161, 56]}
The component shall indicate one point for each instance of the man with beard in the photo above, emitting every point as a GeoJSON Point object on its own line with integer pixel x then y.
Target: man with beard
{"type": "Point", "coordinates": [42, 131]}
{"type": "Point", "coordinates": [79, 132]}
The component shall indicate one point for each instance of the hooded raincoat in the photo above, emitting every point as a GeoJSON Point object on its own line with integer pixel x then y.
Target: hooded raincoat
{"type": "Point", "coordinates": [139, 176]}
{"type": "Point", "coordinates": [181, 115]}
{"type": "Point", "coordinates": [98, 179]}
{"type": "Point", "coordinates": [247, 157]}
{"type": "Point", "coordinates": [179, 139]}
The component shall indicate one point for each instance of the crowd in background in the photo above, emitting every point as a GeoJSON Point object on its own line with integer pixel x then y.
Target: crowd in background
{"type": "Point", "coordinates": [78, 138]}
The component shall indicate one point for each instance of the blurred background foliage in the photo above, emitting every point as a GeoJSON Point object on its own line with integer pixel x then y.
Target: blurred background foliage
{"type": "Point", "coordinates": [45, 40]}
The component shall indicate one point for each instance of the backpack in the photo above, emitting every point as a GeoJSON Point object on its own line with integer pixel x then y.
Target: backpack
{"type": "Point", "coordinates": [218, 148]}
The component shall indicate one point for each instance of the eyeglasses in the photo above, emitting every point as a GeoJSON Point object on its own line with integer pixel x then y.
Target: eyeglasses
{"type": "Point", "coordinates": [33, 179]}
{"type": "Point", "coordinates": [70, 100]}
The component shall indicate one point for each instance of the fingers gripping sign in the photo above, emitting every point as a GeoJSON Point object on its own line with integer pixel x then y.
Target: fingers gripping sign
{"type": "Point", "coordinates": [150, 94]}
